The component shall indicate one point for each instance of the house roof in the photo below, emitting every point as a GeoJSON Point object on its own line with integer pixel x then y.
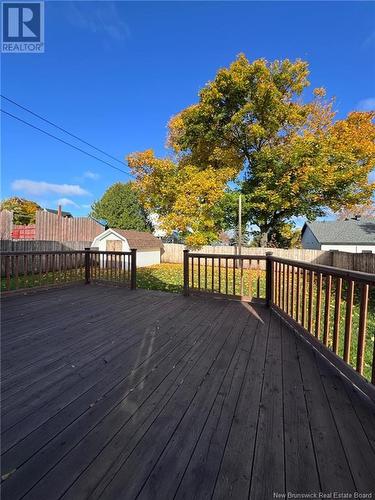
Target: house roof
{"type": "Point", "coordinates": [63, 213]}
{"type": "Point", "coordinates": [139, 239]}
{"type": "Point", "coordinates": [350, 232]}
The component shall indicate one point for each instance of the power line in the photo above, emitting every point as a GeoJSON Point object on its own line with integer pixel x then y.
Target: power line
{"type": "Point", "coordinates": [64, 142]}
{"type": "Point", "coordinates": [62, 129]}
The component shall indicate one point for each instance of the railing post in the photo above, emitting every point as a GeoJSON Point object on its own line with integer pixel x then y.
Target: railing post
{"type": "Point", "coordinates": [87, 265]}
{"type": "Point", "coordinates": [133, 269]}
{"type": "Point", "coordinates": [269, 279]}
{"type": "Point", "coordinates": [186, 273]}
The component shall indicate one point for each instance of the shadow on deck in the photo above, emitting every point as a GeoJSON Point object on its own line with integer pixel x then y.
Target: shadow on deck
{"type": "Point", "coordinates": [122, 395]}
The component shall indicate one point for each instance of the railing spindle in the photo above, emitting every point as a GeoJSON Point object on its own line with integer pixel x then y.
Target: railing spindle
{"type": "Point", "coordinates": [199, 273]}
{"type": "Point", "coordinates": [327, 308]}
{"type": "Point", "coordinates": [32, 278]}
{"type": "Point", "coordinates": [310, 317]}
{"type": "Point", "coordinates": [205, 274]}
{"type": "Point", "coordinates": [362, 328]}
{"type": "Point", "coordinates": [318, 305]}
{"type": "Point", "coordinates": [16, 272]}
{"type": "Point", "coordinates": [219, 275]}
{"type": "Point", "coordinates": [7, 271]}
{"type": "Point", "coordinates": [336, 320]}
{"type": "Point", "coordinates": [234, 276]}
{"type": "Point", "coordinates": [292, 295]}
{"type": "Point", "coordinates": [304, 302]}
{"type": "Point", "coordinates": [298, 293]}
{"type": "Point", "coordinates": [348, 321]}
{"type": "Point", "coordinates": [287, 288]}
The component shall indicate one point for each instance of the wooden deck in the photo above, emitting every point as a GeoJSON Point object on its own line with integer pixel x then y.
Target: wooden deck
{"type": "Point", "coordinates": [124, 394]}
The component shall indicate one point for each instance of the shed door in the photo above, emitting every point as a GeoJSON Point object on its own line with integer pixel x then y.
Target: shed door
{"type": "Point", "coordinates": [114, 246]}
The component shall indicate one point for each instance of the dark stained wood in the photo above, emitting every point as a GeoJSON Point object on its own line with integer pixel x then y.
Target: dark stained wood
{"type": "Point", "coordinates": [114, 393]}
{"type": "Point", "coordinates": [304, 297]}
{"type": "Point", "coordinates": [349, 427]}
{"type": "Point", "coordinates": [362, 328]}
{"type": "Point", "coordinates": [299, 447]}
{"type": "Point", "coordinates": [336, 319]}
{"type": "Point", "coordinates": [311, 297]}
{"type": "Point", "coordinates": [327, 309]}
{"type": "Point", "coordinates": [323, 427]}
{"type": "Point", "coordinates": [298, 294]}
{"type": "Point", "coordinates": [318, 309]}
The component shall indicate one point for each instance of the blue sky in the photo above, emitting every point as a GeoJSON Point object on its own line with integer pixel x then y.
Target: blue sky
{"type": "Point", "coordinates": [114, 73]}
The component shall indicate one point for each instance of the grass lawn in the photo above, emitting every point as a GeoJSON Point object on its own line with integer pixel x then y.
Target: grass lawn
{"type": "Point", "coordinates": [169, 278]}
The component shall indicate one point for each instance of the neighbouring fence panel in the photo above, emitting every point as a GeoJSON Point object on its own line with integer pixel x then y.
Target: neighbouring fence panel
{"type": "Point", "coordinates": [6, 224]}
{"type": "Point", "coordinates": [32, 246]}
{"type": "Point", "coordinates": [364, 262]}
{"type": "Point", "coordinates": [42, 246]}
{"type": "Point", "coordinates": [52, 227]}
{"type": "Point", "coordinates": [173, 253]}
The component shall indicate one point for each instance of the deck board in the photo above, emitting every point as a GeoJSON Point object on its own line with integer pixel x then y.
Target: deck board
{"type": "Point", "coordinates": [112, 393]}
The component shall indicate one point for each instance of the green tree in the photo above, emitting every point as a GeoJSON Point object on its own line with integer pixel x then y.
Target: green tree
{"type": "Point", "coordinates": [295, 159]}
{"type": "Point", "coordinates": [24, 211]}
{"type": "Point", "coordinates": [120, 208]}
{"type": "Point", "coordinates": [284, 235]}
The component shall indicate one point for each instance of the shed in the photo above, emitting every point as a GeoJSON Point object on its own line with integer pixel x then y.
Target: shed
{"type": "Point", "coordinates": [121, 240]}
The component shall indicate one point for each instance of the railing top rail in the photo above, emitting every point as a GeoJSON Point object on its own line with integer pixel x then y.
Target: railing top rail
{"type": "Point", "coordinates": [106, 252]}
{"type": "Point", "coordinates": [42, 252]}
{"type": "Point", "coordinates": [61, 252]}
{"type": "Point", "coordinates": [333, 271]}
{"type": "Point", "coordinates": [227, 256]}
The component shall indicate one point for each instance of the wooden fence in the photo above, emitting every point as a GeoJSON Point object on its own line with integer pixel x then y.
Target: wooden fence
{"type": "Point", "coordinates": [52, 227]}
{"type": "Point", "coordinates": [364, 262]}
{"type": "Point", "coordinates": [6, 224]}
{"type": "Point", "coordinates": [30, 247]}
{"type": "Point", "coordinates": [173, 253]}
{"type": "Point", "coordinates": [335, 307]}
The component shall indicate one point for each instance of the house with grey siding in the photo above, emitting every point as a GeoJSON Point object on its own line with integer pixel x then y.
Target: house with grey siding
{"type": "Point", "coordinates": [351, 235]}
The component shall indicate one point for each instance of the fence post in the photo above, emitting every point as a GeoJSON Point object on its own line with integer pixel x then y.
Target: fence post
{"type": "Point", "coordinates": [133, 269]}
{"type": "Point", "coordinates": [186, 273]}
{"type": "Point", "coordinates": [87, 265]}
{"type": "Point", "coordinates": [269, 279]}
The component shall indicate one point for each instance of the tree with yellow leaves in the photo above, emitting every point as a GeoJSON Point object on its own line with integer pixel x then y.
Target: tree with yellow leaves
{"type": "Point", "coordinates": [183, 197]}
{"type": "Point", "coordinates": [293, 157]}
{"type": "Point", "coordinates": [24, 211]}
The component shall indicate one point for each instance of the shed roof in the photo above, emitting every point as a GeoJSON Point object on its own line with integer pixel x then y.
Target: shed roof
{"type": "Point", "coordinates": [139, 239]}
{"type": "Point", "coordinates": [349, 232]}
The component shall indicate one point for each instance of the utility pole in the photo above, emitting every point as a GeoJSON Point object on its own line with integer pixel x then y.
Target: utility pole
{"type": "Point", "coordinates": [239, 224]}
{"type": "Point", "coordinates": [240, 262]}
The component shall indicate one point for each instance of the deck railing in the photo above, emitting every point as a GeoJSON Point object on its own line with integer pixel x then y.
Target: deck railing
{"type": "Point", "coordinates": [335, 307]}
{"type": "Point", "coordinates": [237, 276]}
{"type": "Point", "coordinates": [23, 270]}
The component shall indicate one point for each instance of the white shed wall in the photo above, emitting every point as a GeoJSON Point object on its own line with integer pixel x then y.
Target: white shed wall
{"type": "Point", "coordinates": [148, 257]}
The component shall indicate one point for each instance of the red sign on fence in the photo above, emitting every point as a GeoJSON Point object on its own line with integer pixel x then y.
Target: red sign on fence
{"type": "Point", "coordinates": [23, 232]}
